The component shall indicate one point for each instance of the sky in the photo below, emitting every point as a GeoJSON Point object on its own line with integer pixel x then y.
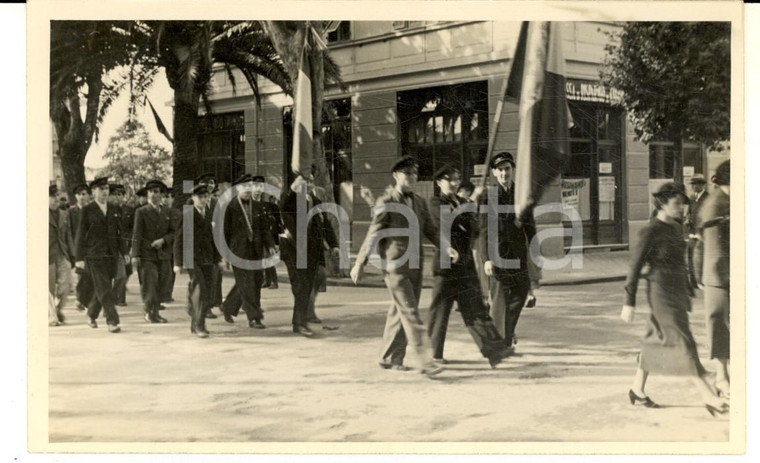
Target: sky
{"type": "Point", "coordinates": [161, 95]}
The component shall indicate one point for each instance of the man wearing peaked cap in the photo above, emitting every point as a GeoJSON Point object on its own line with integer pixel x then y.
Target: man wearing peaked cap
{"type": "Point", "coordinates": [215, 300]}
{"type": "Point", "coordinates": [459, 282]}
{"type": "Point", "coordinates": [142, 196]}
{"type": "Point", "coordinates": [204, 258]}
{"type": "Point", "coordinates": [100, 251]}
{"type": "Point", "coordinates": [176, 215]}
{"type": "Point", "coordinates": [84, 289]}
{"type": "Point", "coordinates": [509, 287]}
{"type": "Point", "coordinates": [404, 281]}
{"type": "Point", "coordinates": [152, 240]}
{"type": "Point", "coordinates": [116, 200]}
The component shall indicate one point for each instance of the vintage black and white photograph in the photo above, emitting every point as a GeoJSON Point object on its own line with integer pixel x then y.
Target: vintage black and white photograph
{"type": "Point", "coordinates": [284, 228]}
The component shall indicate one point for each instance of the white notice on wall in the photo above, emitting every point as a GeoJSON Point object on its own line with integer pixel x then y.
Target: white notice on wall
{"type": "Point", "coordinates": [606, 189]}
{"type": "Point", "coordinates": [688, 171]}
{"type": "Point", "coordinates": [605, 167]}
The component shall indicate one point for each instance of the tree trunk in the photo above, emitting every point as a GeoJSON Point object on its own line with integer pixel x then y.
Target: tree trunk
{"type": "Point", "coordinates": [185, 156]}
{"type": "Point", "coordinates": [72, 162]}
{"type": "Point", "coordinates": [678, 159]}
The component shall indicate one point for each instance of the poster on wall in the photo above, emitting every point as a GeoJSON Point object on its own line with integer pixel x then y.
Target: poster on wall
{"type": "Point", "coordinates": [606, 189]}
{"type": "Point", "coordinates": [571, 193]}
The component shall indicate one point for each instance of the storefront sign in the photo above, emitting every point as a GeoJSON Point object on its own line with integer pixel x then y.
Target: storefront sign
{"type": "Point", "coordinates": [571, 193]}
{"type": "Point", "coordinates": [606, 189]}
{"type": "Point", "coordinates": [595, 92]}
{"type": "Point", "coordinates": [605, 167]}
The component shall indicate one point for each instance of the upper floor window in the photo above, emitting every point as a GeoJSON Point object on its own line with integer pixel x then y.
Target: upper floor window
{"type": "Point", "coordinates": [339, 32]}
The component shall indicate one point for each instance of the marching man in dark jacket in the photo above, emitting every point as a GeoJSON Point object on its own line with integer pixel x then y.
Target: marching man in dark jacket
{"type": "Point", "coordinates": [205, 257]}
{"type": "Point", "coordinates": [459, 283]}
{"type": "Point", "coordinates": [60, 258]}
{"type": "Point", "coordinates": [100, 251]}
{"type": "Point", "coordinates": [247, 234]}
{"type": "Point", "coordinates": [84, 291]}
{"type": "Point", "coordinates": [152, 240]}
{"type": "Point", "coordinates": [404, 279]}
{"type": "Point", "coordinates": [509, 286]}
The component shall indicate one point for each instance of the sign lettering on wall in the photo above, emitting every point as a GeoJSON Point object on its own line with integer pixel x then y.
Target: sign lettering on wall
{"type": "Point", "coordinates": [590, 91]}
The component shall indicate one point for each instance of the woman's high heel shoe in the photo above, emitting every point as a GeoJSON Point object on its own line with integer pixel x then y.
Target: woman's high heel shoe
{"type": "Point", "coordinates": [715, 410]}
{"type": "Point", "coordinates": [645, 401]}
{"type": "Point", "coordinates": [723, 388]}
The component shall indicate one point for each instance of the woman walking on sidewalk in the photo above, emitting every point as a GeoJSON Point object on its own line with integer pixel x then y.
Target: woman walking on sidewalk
{"type": "Point", "coordinates": [668, 346]}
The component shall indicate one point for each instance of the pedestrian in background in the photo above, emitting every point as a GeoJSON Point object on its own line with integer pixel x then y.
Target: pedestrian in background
{"type": "Point", "coordinates": [167, 293]}
{"type": "Point", "coordinates": [694, 252]}
{"type": "Point", "coordinates": [272, 208]}
{"type": "Point", "coordinates": [205, 257]}
{"type": "Point", "coordinates": [716, 275]}
{"type": "Point", "coordinates": [60, 258]}
{"type": "Point", "coordinates": [215, 298]}
{"type": "Point", "coordinates": [84, 288]}
{"type": "Point", "coordinates": [668, 346]}
{"type": "Point", "coordinates": [152, 245]}
{"type": "Point", "coordinates": [116, 198]}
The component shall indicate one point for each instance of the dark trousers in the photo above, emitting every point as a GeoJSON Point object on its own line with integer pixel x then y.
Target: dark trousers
{"type": "Point", "coordinates": [167, 292]}
{"type": "Point", "coordinates": [462, 286]}
{"type": "Point", "coordinates": [508, 295]}
{"type": "Point", "coordinates": [718, 322]}
{"type": "Point", "coordinates": [246, 293]}
{"type": "Point", "coordinates": [102, 272]}
{"type": "Point", "coordinates": [85, 290]}
{"type": "Point", "coordinates": [694, 260]}
{"type": "Point", "coordinates": [199, 290]}
{"type": "Point", "coordinates": [120, 286]}
{"type": "Point", "coordinates": [154, 275]}
{"type": "Point", "coordinates": [321, 282]}
{"type": "Point", "coordinates": [215, 298]}
{"type": "Point", "coordinates": [302, 282]}
{"type": "Point", "coordinates": [270, 276]}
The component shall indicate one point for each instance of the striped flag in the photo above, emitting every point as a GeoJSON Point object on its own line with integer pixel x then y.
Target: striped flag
{"type": "Point", "coordinates": [300, 161]}
{"type": "Point", "coordinates": [537, 84]}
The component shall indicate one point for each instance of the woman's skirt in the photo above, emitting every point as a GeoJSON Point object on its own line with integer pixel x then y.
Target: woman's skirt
{"type": "Point", "coordinates": [668, 346]}
{"type": "Point", "coordinates": [717, 305]}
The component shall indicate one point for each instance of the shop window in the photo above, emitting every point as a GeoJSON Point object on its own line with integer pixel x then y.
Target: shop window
{"type": "Point", "coordinates": [221, 145]}
{"type": "Point", "coordinates": [445, 125]}
{"type": "Point", "coordinates": [336, 140]}
{"type": "Point", "coordinates": [662, 160]}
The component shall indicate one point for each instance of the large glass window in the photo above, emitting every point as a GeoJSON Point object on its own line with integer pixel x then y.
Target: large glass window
{"type": "Point", "coordinates": [662, 160]}
{"type": "Point", "coordinates": [221, 145]}
{"type": "Point", "coordinates": [445, 125]}
{"type": "Point", "coordinates": [336, 139]}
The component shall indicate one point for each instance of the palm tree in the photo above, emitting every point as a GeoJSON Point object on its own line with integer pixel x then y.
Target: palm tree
{"type": "Point", "coordinates": [188, 50]}
{"type": "Point", "coordinates": [91, 64]}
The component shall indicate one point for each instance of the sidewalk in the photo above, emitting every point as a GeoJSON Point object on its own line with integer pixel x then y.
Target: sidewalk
{"type": "Point", "coordinates": [593, 267]}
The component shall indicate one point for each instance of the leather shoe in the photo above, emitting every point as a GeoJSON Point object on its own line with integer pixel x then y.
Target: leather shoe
{"type": "Point", "coordinates": [393, 366]}
{"type": "Point", "coordinates": [61, 318]}
{"type": "Point", "coordinates": [256, 324]}
{"type": "Point", "coordinates": [159, 318]}
{"type": "Point", "coordinates": [303, 330]}
{"type": "Point", "coordinates": [55, 323]}
{"type": "Point", "coordinates": [114, 328]}
{"type": "Point", "coordinates": [315, 320]}
{"type": "Point", "coordinates": [121, 304]}
{"type": "Point", "coordinates": [150, 318]}
{"type": "Point", "coordinates": [274, 285]}
{"type": "Point", "coordinates": [161, 307]}
{"type": "Point", "coordinates": [80, 307]}
{"type": "Point", "coordinates": [92, 323]}
{"type": "Point", "coordinates": [440, 361]}
{"type": "Point", "coordinates": [228, 318]}
{"type": "Point", "coordinates": [201, 334]}
{"type": "Point", "coordinates": [211, 314]}
{"type": "Point", "coordinates": [432, 370]}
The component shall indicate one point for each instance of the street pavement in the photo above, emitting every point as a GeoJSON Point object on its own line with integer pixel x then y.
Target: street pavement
{"type": "Point", "coordinates": [568, 381]}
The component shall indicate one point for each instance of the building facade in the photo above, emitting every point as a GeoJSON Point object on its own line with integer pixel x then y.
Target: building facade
{"type": "Point", "coordinates": [430, 89]}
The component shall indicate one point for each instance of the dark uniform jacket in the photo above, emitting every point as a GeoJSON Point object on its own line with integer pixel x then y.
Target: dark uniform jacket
{"type": "Point", "coordinates": [98, 235]}
{"type": "Point", "coordinates": [393, 247]}
{"type": "Point", "coordinates": [716, 233]}
{"type": "Point", "coordinates": [60, 240]}
{"type": "Point", "coordinates": [318, 232]}
{"type": "Point", "coordinates": [236, 232]}
{"type": "Point", "coordinates": [464, 229]}
{"type": "Point", "coordinates": [513, 241]}
{"type": "Point", "coordinates": [204, 250]}
{"type": "Point", "coordinates": [150, 225]}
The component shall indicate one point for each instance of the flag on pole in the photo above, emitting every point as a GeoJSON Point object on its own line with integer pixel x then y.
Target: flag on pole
{"type": "Point", "coordinates": [159, 124]}
{"type": "Point", "coordinates": [537, 83]}
{"type": "Point", "coordinates": [300, 161]}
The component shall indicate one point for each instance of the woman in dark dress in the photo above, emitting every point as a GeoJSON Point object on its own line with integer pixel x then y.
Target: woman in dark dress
{"type": "Point", "coordinates": [668, 346]}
